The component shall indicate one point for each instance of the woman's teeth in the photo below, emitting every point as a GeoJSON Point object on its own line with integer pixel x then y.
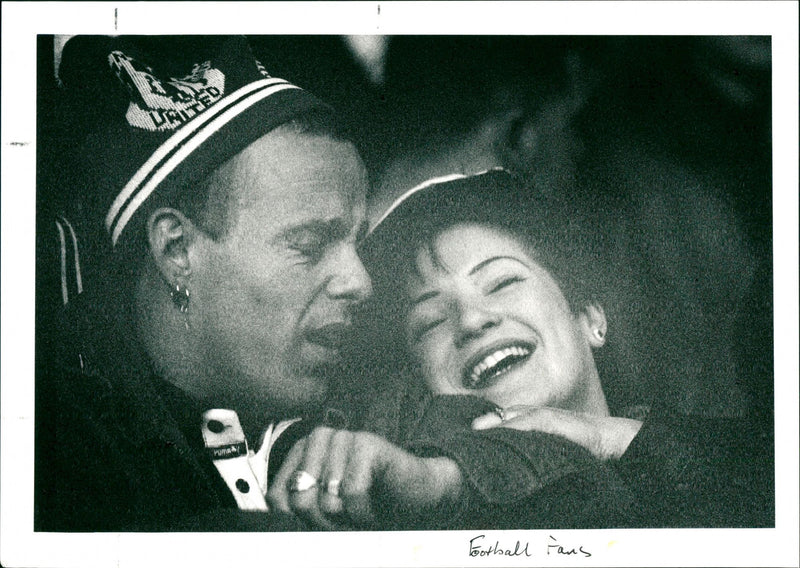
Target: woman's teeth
{"type": "Point", "coordinates": [496, 363]}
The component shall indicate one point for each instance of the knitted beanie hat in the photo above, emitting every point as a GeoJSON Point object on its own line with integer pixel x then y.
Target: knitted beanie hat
{"type": "Point", "coordinates": [164, 119]}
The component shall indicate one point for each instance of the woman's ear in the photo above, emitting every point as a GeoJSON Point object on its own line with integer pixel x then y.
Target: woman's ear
{"type": "Point", "coordinates": [594, 324]}
{"type": "Point", "coordinates": [170, 234]}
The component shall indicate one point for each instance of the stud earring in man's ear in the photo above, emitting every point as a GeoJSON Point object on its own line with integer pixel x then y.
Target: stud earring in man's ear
{"type": "Point", "coordinates": [180, 297]}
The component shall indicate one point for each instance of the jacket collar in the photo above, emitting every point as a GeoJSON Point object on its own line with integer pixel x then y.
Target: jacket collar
{"type": "Point", "coordinates": [152, 410]}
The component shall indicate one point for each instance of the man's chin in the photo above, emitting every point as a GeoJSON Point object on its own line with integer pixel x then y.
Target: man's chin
{"type": "Point", "coordinates": [318, 359]}
{"type": "Point", "coordinates": [285, 394]}
{"type": "Point", "coordinates": [313, 384]}
{"type": "Point", "coordinates": [304, 397]}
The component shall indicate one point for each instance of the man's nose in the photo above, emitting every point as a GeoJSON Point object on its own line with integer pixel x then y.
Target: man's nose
{"type": "Point", "coordinates": [349, 279]}
{"type": "Point", "coordinates": [473, 320]}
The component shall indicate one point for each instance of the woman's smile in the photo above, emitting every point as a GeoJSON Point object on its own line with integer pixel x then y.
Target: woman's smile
{"type": "Point", "coordinates": [483, 369]}
{"type": "Point", "coordinates": [486, 318]}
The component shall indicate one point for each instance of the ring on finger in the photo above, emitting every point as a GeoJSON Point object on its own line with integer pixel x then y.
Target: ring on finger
{"type": "Point", "coordinates": [501, 413]}
{"type": "Point", "coordinates": [301, 481]}
{"type": "Point", "coordinates": [332, 487]}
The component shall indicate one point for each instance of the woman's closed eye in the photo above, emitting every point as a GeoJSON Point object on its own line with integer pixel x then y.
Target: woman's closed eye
{"type": "Point", "coordinates": [420, 328]}
{"type": "Point", "coordinates": [504, 282]}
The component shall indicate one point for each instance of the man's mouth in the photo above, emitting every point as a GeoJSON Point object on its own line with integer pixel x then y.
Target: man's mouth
{"type": "Point", "coordinates": [486, 366]}
{"type": "Point", "coordinates": [331, 336]}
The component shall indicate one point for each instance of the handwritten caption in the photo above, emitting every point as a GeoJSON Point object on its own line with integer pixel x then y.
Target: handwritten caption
{"type": "Point", "coordinates": [481, 546]}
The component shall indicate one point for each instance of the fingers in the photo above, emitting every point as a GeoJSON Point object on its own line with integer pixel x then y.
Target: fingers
{"type": "Point", "coordinates": [345, 463]}
{"type": "Point", "coordinates": [578, 428]}
{"type": "Point", "coordinates": [500, 417]}
{"type": "Point", "coordinates": [346, 467]}
{"type": "Point", "coordinates": [308, 503]}
{"type": "Point", "coordinates": [606, 437]}
{"type": "Point", "coordinates": [278, 495]}
{"type": "Point", "coordinates": [358, 478]}
{"type": "Point", "coordinates": [487, 421]}
{"type": "Point", "coordinates": [340, 464]}
{"type": "Point", "coordinates": [549, 421]}
{"type": "Point", "coordinates": [330, 480]}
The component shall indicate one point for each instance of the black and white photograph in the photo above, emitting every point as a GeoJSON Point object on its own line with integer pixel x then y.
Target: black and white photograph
{"type": "Point", "coordinates": [400, 284]}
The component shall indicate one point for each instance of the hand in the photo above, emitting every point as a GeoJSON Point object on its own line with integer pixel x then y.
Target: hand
{"type": "Point", "coordinates": [606, 437]}
{"type": "Point", "coordinates": [378, 482]}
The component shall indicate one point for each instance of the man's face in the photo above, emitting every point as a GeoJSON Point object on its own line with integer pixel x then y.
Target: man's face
{"type": "Point", "coordinates": [487, 320]}
{"type": "Point", "coordinates": [273, 297]}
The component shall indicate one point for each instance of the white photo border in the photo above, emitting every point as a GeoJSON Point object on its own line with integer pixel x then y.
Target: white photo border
{"type": "Point", "coordinates": [22, 21]}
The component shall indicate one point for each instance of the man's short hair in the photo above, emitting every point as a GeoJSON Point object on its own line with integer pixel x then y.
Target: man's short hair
{"type": "Point", "coordinates": [209, 204]}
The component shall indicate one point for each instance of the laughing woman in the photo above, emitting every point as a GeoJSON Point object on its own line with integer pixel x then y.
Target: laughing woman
{"type": "Point", "coordinates": [488, 301]}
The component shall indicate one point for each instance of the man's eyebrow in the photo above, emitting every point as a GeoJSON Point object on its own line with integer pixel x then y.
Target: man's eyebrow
{"type": "Point", "coordinates": [328, 228]}
{"type": "Point", "coordinates": [331, 230]}
{"type": "Point", "coordinates": [491, 259]}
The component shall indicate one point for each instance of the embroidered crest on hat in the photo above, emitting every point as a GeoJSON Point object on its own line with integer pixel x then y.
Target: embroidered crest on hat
{"type": "Point", "coordinates": [169, 112]}
{"type": "Point", "coordinates": [165, 105]}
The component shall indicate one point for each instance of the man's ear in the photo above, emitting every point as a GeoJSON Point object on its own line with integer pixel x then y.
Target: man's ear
{"type": "Point", "coordinates": [594, 324]}
{"type": "Point", "coordinates": [170, 234]}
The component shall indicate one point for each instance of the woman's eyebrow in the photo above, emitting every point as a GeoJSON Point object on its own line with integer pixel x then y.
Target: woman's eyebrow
{"type": "Point", "coordinates": [491, 259]}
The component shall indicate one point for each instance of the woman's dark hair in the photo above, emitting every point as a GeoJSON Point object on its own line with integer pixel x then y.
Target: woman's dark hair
{"type": "Point", "coordinates": [560, 239]}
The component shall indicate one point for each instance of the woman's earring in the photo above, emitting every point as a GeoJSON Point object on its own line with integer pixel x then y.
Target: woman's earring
{"type": "Point", "coordinates": [180, 297]}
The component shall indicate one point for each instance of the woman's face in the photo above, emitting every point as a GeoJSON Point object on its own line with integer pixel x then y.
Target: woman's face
{"type": "Point", "coordinates": [486, 319]}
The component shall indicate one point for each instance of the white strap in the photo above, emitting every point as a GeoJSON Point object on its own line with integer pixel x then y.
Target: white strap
{"type": "Point", "coordinates": [225, 441]}
{"type": "Point", "coordinates": [244, 471]}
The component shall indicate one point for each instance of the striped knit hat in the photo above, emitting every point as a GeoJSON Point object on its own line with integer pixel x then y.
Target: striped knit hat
{"type": "Point", "coordinates": [165, 128]}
